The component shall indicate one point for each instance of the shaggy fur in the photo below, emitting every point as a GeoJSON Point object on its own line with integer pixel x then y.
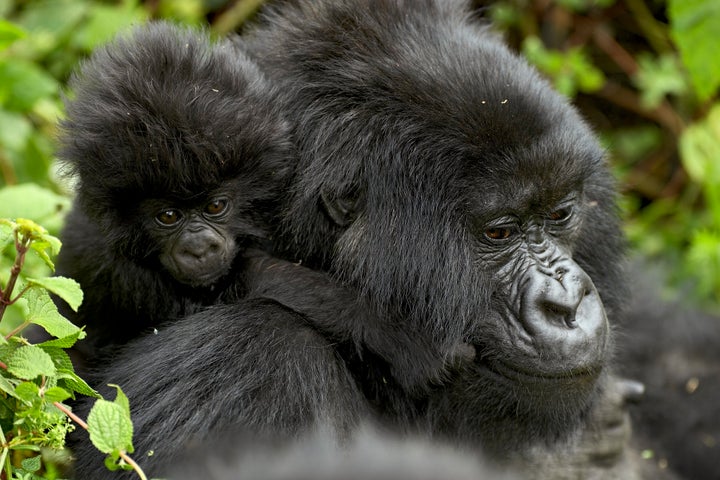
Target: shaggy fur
{"type": "Point", "coordinates": [162, 117]}
{"type": "Point", "coordinates": [442, 190]}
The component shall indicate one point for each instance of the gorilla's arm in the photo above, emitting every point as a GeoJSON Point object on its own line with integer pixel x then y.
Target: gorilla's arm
{"type": "Point", "coordinates": [254, 367]}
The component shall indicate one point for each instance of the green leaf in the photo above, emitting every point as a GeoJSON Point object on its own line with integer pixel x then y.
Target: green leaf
{"type": "Point", "coordinates": [32, 464]}
{"type": "Point", "coordinates": [65, 288]}
{"type": "Point", "coordinates": [9, 32]}
{"type": "Point", "coordinates": [27, 391]}
{"type": "Point", "coordinates": [29, 362]}
{"type": "Point", "coordinates": [60, 358]}
{"type": "Point", "coordinates": [56, 394]}
{"type": "Point", "coordinates": [42, 311]}
{"type": "Point", "coordinates": [106, 21]}
{"type": "Point", "coordinates": [122, 400]}
{"type": "Point", "coordinates": [110, 427]}
{"type": "Point", "coordinates": [658, 77]}
{"type": "Point", "coordinates": [15, 129]}
{"type": "Point", "coordinates": [24, 83]}
{"type": "Point", "coordinates": [6, 235]}
{"type": "Point", "coordinates": [694, 25]}
{"type": "Point", "coordinates": [76, 384]}
{"type": "Point", "coordinates": [700, 149]}
{"type": "Point", "coordinates": [28, 200]}
{"type": "Point", "coordinates": [7, 386]}
{"type": "Point", "coordinates": [64, 342]}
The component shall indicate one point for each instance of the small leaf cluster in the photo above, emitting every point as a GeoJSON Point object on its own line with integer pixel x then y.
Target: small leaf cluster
{"type": "Point", "coordinates": [35, 379]}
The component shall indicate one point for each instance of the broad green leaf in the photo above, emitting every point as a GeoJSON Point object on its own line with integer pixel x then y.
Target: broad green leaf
{"type": "Point", "coordinates": [15, 129]}
{"type": "Point", "coordinates": [110, 427]}
{"type": "Point", "coordinates": [29, 362]}
{"type": "Point", "coordinates": [28, 200]}
{"type": "Point", "coordinates": [42, 311]}
{"type": "Point", "coordinates": [65, 288]}
{"type": "Point", "coordinates": [27, 391]}
{"type": "Point", "coordinates": [9, 32]}
{"type": "Point", "coordinates": [56, 394]}
{"type": "Point", "coordinates": [694, 25]}
{"type": "Point", "coordinates": [24, 83]}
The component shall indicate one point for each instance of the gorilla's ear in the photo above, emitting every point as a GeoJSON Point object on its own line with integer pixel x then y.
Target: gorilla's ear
{"type": "Point", "coordinates": [342, 209]}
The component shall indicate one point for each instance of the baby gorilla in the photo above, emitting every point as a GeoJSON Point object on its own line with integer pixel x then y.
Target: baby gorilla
{"type": "Point", "coordinates": [179, 153]}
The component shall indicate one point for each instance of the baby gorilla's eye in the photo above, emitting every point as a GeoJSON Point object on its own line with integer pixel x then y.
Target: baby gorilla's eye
{"type": "Point", "coordinates": [216, 207]}
{"type": "Point", "coordinates": [168, 217]}
{"type": "Point", "coordinates": [499, 233]}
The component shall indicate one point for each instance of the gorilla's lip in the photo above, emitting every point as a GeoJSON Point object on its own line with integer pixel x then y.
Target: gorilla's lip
{"type": "Point", "coordinates": [574, 375]}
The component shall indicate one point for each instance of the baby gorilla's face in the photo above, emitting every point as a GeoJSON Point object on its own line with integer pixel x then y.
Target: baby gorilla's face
{"type": "Point", "coordinates": [195, 243]}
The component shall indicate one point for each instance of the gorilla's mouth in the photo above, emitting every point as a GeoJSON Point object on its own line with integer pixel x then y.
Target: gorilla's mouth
{"type": "Point", "coordinates": [525, 375]}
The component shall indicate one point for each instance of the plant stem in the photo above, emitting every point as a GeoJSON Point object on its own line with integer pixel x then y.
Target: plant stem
{"type": "Point", "coordinates": [21, 246]}
{"type": "Point", "coordinates": [70, 414]}
{"type": "Point", "coordinates": [84, 425]}
{"type": "Point", "coordinates": [135, 466]}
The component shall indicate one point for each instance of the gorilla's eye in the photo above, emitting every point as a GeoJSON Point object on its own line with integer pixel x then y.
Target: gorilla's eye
{"type": "Point", "coordinates": [168, 217]}
{"type": "Point", "coordinates": [561, 214]}
{"type": "Point", "coordinates": [499, 233]}
{"type": "Point", "coordinates": [216, 207]}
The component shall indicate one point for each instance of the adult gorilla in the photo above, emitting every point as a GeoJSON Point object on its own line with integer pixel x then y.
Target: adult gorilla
{"type": "Point", "coordinates": [445, 196]}
{"type": "Point", "coordinates": [465, 200]}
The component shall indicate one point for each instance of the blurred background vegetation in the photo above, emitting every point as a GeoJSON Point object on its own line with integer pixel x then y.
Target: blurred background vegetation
{"type": "Point", "coordinates": [645, 73]}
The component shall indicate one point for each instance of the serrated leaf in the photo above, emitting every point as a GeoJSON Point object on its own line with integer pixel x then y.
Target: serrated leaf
{"type": "Point", "coordinates": [56, 394]}
{"type": "Point", "coordinates": [29, 362]}
{"type": "Point", "coordinates": [65, 288]}
{"type": "Point", "coordinates": [42, 311]}
{"type": "Point", "coordinates": [121, 399]}
{"type": "Point", "coordinates": [60, 358]}
{"type": "Point", "coordinates": [27, 391]}
{"type": "Point", "coordinates": [110, 427]}
{"type": "Point", "coordinates": [76, 384]}
{"type": "Point", "coordinates": [65, 342]}
{"type": "Point", "coordinates": [32, 464]}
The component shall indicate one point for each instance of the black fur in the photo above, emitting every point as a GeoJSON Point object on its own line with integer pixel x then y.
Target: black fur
{"type": "Point", "coordinates": [442, 189]}
{"type": "Point", "coordinates": [163, 118]}
{"type": "Point", "coordinates": [416, 127]}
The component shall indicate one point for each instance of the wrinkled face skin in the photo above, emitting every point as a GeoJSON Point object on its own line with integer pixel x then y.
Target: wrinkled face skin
{"type": "Point", "coordinates": [546, 306]}
{"type": "Point", "coordinates": [196, 245]}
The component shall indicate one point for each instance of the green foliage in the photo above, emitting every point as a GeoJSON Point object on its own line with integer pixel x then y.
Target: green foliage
{"type": "Point", "coordinates": [36, 378]}
{"type": "Point", "coordinates": [40, 43]}
{"type": "Point", "coordinates": [658, 77]}
{"type": "Point", "coordinates": [570, 70]}
{"type": "Point", "coordinates": [694, 27]}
